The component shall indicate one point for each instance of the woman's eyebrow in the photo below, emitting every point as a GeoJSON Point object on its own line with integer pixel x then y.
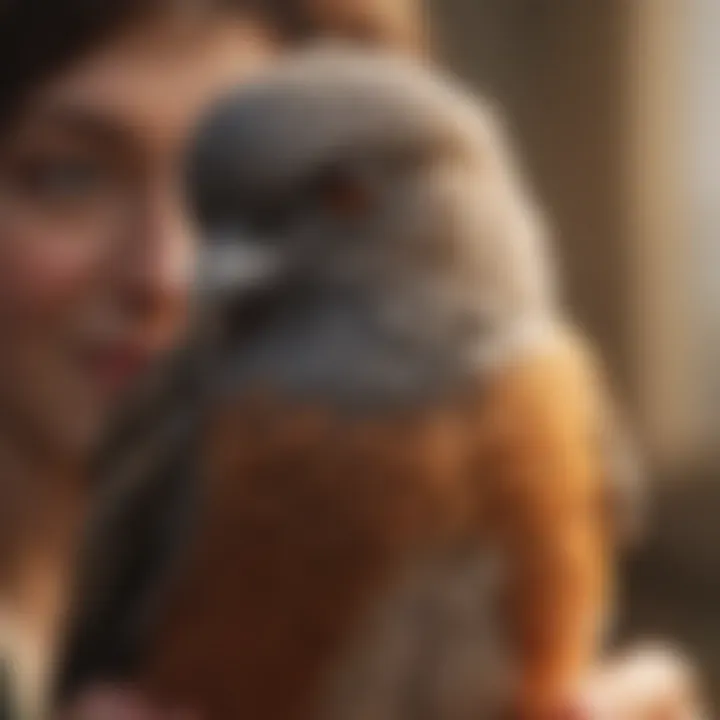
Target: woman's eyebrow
{"type": "Point", "coordinates": [91, 125]}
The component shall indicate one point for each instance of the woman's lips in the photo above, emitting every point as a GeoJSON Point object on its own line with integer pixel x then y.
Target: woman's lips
{"type": "Point", "coordinates": [116, 367]}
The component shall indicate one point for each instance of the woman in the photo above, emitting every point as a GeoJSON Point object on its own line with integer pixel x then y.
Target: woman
{"type": "Point", "coordinates": [96, 103]}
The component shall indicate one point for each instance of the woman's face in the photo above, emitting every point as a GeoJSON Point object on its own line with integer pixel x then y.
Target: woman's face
{"type": "Point", "coordinates": [96, 250]}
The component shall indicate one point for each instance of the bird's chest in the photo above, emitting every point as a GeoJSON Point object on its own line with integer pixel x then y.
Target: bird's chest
{"type": "Point", "coordinates": [313, 535]}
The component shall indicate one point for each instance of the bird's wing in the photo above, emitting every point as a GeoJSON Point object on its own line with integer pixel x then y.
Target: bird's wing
{"type": "Point", "coordinates": [140, 518]}
{"type": "Point", "coordinates": [548, 487]}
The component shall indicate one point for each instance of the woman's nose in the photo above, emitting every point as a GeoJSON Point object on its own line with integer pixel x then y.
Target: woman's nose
{"type": "Point", "coordinates": [156, 261]}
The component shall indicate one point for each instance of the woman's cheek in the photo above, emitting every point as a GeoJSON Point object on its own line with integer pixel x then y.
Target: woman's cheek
{"type": "Point", "coordinates": [39, 277]}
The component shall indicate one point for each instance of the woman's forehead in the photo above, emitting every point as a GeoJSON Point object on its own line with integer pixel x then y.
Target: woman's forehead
{"type": "Point", "coordinates": [152, 84]}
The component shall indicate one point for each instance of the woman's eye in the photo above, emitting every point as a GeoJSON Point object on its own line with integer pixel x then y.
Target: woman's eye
{"type": "Point", "coordinates": [60, 180]}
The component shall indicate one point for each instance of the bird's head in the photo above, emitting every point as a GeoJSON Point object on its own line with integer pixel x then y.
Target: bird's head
{"type": "Point", "coordinates": [365, 179]}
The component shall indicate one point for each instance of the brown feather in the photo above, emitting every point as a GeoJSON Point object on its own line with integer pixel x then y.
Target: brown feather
{"type": "Point", "coordinates": [309, 519]}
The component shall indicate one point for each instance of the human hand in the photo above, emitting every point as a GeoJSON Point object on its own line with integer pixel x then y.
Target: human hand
{"type": "Point", "coordinates": [646, 683]}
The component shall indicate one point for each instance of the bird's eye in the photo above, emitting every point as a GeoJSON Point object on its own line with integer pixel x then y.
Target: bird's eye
{"type": "Point", "coordinates": [342, 193]}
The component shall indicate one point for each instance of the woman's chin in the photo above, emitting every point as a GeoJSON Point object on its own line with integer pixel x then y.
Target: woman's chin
{"type": "Point", "coordinates": [71, 433]}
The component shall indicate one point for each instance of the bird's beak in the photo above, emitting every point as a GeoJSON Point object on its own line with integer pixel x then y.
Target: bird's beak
{"type": "Point", "coordinates": [237, 266]}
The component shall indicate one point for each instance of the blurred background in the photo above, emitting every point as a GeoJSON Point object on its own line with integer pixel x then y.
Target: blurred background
{"type": "Point", "coordinates": [616, 107]}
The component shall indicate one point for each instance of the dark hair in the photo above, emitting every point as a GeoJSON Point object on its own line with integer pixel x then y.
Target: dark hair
{"type": "Point", "coordinates": [40, 37]}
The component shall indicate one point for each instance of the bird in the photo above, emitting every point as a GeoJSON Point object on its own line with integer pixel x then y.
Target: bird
{"type": "Point", "coordinates": [386, 476]}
